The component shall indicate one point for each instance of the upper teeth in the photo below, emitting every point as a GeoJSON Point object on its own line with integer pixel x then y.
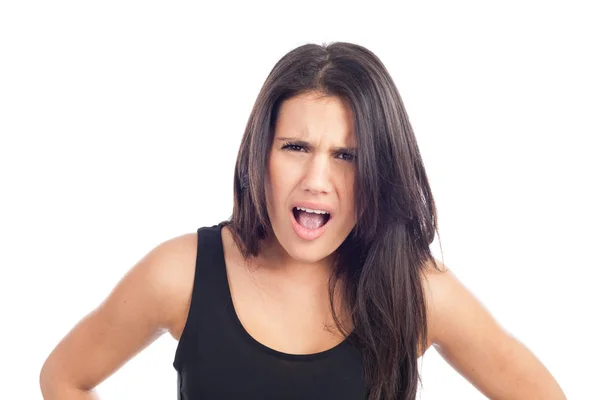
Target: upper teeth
{"type": "Point", "coordinates": [312, 211]}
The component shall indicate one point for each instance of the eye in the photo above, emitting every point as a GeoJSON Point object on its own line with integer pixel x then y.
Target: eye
{"type": "Point", "coordinates": [347, 157]}
{"type": "Point", "coordinates": [292, 147]}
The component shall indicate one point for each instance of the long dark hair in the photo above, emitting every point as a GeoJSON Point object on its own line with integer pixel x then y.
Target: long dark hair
{"type": "Point", "coordinates": [382, 260]}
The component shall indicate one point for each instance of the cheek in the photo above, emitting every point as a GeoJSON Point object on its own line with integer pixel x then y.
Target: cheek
{"type": "Point", "coordinates": [283, 175]}
{"type": "Point", "coordinates": [348, 194]}
{"type": "Point", "coordinates": [276, 183]}
{"type": "Point", "coordinates": [348, 183]}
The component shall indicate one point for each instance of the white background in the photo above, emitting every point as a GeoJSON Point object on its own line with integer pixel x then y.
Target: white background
{"type": "Point", "coordinates": [120, 122]}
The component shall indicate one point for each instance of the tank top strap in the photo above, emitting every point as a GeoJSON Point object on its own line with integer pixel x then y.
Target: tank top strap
{"type": "Point", "coordinates": [210, 288]}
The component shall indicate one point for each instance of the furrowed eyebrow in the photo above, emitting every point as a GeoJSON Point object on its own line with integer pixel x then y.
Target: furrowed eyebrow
{"type": "Point", "coordinates": [351, 150]}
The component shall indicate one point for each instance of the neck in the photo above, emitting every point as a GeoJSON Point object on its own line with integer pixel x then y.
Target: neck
{"type": "Point", "coordinates": [276, 260]}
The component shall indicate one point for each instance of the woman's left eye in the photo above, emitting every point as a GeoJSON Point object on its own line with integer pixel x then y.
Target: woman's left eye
{"type": "Point", "coordinates": [347, 156]}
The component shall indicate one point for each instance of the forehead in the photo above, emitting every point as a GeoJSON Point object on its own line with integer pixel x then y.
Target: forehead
{"type": "Point", "coordinates": [313, 116]}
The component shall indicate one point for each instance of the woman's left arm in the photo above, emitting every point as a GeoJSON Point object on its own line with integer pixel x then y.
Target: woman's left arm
{"type": "Point", "coordinates": [475, 345]}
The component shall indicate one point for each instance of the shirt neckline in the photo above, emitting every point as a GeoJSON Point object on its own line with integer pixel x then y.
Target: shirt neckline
{"type": "Point", "coordinates": [249, 338]}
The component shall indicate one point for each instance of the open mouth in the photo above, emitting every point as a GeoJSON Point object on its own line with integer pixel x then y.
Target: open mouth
{"type": "Point", "coordinates": [310, 219]}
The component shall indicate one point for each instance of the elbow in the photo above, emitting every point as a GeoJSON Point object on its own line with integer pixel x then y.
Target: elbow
{"type": "Point", "coordinates": [51, 385]}
{"type": "Point", "coordinates": [56, 387]}
{"type": "Point", "coordinates": [43, 379]}
{"type": "Point", "coordinates": [46, 382]}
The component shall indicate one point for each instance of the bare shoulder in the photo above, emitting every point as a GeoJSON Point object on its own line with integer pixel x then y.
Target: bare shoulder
{"type": "Point", "coordinates": [446, 297]}
{"type": "Point", "coordinates": [435, 280]}
{"type": "Point", "coordinates": [164, 277]}
{"type": "Point", "coordinates": [465, 333]}
{"type": "Point", "coordinates": [449, 302]}
{"type": "Point", "coordinates": [150, 299]}
{"type": "Point", "coordinates": [173, 270]}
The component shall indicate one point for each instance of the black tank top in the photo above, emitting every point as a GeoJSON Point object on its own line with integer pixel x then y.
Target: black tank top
{"type": "Point", "coordinates": [216, 358]}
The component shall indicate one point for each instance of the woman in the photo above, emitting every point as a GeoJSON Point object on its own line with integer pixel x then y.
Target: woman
{"type": "Point", "coordinates": [321, 285]}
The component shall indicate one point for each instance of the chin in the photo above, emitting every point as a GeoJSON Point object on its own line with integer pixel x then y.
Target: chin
{"type": "Point", "coordinates": [310, 251]}
{"type": "Point", "coordinates": [308, 258]}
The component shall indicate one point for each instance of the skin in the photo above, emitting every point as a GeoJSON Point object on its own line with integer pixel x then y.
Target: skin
{"type": "Point", "coordinates": [287, 279]}
{"type": "Point", "coordinates": [466, 335]}
{"type": "Point", "coordinates": [312, 171]}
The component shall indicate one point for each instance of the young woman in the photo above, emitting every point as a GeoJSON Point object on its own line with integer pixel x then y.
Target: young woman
{"type": "Point", "coordinates": [321, 285]}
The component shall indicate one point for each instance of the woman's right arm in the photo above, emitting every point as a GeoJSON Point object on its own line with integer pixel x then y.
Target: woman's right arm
{"type": "Point", "coordinates": [151, 299]}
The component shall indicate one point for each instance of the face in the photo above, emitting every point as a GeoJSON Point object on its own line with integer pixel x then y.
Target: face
{"type": "Point", "coordinates": [312, 166]}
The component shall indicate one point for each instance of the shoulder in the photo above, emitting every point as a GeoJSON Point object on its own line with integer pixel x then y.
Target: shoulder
{"type": "Point", "coordinates": [168, 270]}
{"type": "Point", "coordinates": [454, 314]}
{"type": "Point", "coordinates": [436, 281]}
{"type": "Point", "coordinates": [146, 302]}
{"type": "Point", "coordinates": [448, 300]}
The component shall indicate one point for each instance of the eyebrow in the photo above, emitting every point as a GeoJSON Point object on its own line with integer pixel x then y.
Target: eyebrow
{"type": "Point", "coordinates": [310, 146]}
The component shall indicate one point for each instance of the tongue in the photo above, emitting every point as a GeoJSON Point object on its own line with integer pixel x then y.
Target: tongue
{"type": "Point", "coordinates": [310, 220]}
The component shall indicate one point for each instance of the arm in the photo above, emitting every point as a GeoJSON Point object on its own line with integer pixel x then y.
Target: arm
{"type": "Point", "coordinates": [474, 344]}
{"type": "Point", "coordinates": [143, 305]}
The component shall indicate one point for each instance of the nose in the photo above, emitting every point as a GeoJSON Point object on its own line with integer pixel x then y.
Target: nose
{"type": "Point", "coordinates": [317, 175]}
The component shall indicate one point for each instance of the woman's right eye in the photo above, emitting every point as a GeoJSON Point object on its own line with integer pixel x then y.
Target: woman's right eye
{"type": "Point", "coordinates": [292, 147]}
